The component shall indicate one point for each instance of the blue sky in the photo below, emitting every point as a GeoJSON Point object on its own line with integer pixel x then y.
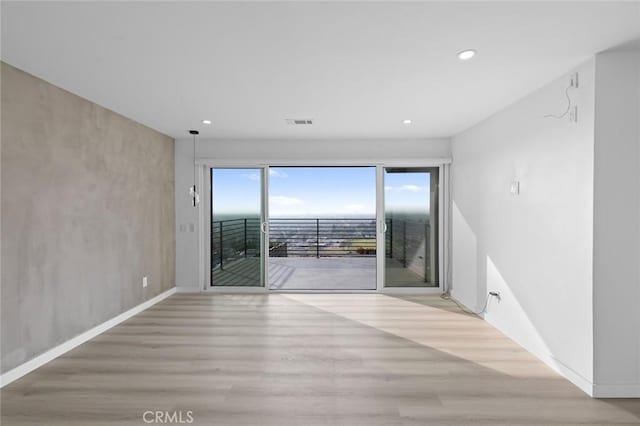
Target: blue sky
{"type": "Point", "coordinates": [406, 192]}
{"type": "Point", "coordinates": [317, 191]}
{"type": "Point", "coordinates": [322, 191]}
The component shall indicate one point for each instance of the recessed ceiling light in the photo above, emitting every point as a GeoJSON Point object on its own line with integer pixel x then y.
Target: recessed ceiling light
{"type": "Point", "coordinates": [406, 121]}
{"type": "Point", "coordinates": [466, 54]}
{"type": "Point", "coordinates": [206, 121]}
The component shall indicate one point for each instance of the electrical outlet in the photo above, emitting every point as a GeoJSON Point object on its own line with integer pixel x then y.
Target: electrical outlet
{"type": "Point", "coordinates": [144, 282]}
{"type": "Point", "coordinates": [573, 80]}
{"type": "Point", "coordinates": [573, 114]}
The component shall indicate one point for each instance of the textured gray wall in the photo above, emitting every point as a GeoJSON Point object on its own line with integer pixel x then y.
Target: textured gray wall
{"type": "Point", "coordinates": [87, 211]}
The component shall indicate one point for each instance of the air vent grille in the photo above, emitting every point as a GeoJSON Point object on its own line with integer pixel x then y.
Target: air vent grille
{"type": "Point", "coordinates": [299, 121]}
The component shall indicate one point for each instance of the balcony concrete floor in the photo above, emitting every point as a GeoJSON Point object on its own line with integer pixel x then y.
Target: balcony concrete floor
{"type": "Point", "coordinates": [310, 273]}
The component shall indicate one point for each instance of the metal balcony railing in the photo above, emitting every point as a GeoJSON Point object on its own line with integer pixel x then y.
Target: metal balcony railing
{"type": "Point", "coordinates": [403, 237]}
{"type": "Point", "coordinates": [234, 239]}
{"type": "Point", "coordinates": [312, 237]}
{"type": "Point", "coordinates": [324, 237]}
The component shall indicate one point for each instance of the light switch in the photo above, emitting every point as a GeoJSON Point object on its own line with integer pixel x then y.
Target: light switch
{"type": "Point", "coordinates": [515, 188]}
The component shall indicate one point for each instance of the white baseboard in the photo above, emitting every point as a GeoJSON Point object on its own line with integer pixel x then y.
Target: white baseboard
{"type": "Point", "coordinates": [188, 289]}
{"type": "Point", "coordinates": [55, 352]}
{"type": "Point", "coordinates": [578, 380]}
{"type": "Point", "coordinates": [616, 391]}
{"type": "Point", "coordinates": [585, 385]}
{"type": "Point", "coordinates": [411, 290]}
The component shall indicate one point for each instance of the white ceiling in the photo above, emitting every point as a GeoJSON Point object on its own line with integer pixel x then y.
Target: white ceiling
{"type": "Point", "coordinates": [357, 69]}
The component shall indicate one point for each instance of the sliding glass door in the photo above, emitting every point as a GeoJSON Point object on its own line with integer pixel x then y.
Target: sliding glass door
{"type": "Point", "coordinates": [236, 227]}
{"type": "Point", "coordinates": [324, 228]}
{"type": "Point", "coordinates": [411, 226]}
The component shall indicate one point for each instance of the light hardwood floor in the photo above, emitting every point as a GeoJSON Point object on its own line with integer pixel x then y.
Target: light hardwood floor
{"type": "Point", "coordinates": [304, 359]}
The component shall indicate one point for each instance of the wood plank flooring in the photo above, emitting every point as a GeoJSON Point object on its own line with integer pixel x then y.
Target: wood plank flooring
{"type": "Point", "coordinates": [304, 359]}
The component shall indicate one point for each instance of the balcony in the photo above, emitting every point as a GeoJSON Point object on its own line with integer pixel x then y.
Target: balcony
{"type": "Point", "coordinates": [317, 253]}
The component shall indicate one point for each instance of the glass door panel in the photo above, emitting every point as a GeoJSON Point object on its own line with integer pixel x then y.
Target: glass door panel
{"type": "Point", "coordinates": [411, 226]}
{"type": "Point", "coordinates": [322, 228]}
{"type": "Point", "coordinates": [236, 219]}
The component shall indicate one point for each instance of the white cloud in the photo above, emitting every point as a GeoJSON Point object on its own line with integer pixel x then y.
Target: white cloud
{"type": "Point", "coordinates": [406, 188]}
{"type": "Point", "coordinates": [277, 173]}
{"type": "Point", "coordinates": [283, 200]}
{"type": "Point", "coordinates": [412, 188]}
{"type": "Point", "coordinates": [252, 176]}
{"type": "Point", "coordinates": [356, 208]}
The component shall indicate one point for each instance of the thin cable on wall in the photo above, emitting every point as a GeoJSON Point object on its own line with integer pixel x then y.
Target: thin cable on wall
{"type": "Point", "coordinates": [447, 296]}
{"type": "Point", "coordinates": [569, 105]}
{"type": "Point", "coordinates": [192, 191]}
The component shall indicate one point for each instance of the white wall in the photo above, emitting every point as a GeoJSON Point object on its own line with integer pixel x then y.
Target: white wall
{"type": "Point", "coordinates": [617, 224]}
{"type": "Point", "coordinates": [274, 152]}
{"type": "Point", "coordinates": [534, 248]}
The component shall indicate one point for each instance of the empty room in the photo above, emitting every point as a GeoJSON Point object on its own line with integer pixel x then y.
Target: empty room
{"type": "Point", "coordinates": [320, 213]}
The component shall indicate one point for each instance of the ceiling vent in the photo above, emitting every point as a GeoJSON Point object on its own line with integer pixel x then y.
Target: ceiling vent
{"type": "Point", "coordinates": [298, 122]}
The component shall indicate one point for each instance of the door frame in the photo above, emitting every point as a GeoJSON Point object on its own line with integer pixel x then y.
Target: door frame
{"type": "Point", "coordinates": [205, 165]}
{"type": "Point", "coordinates": [204, 264]}
{"type": "Point", "coordinates": [443, 230]}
